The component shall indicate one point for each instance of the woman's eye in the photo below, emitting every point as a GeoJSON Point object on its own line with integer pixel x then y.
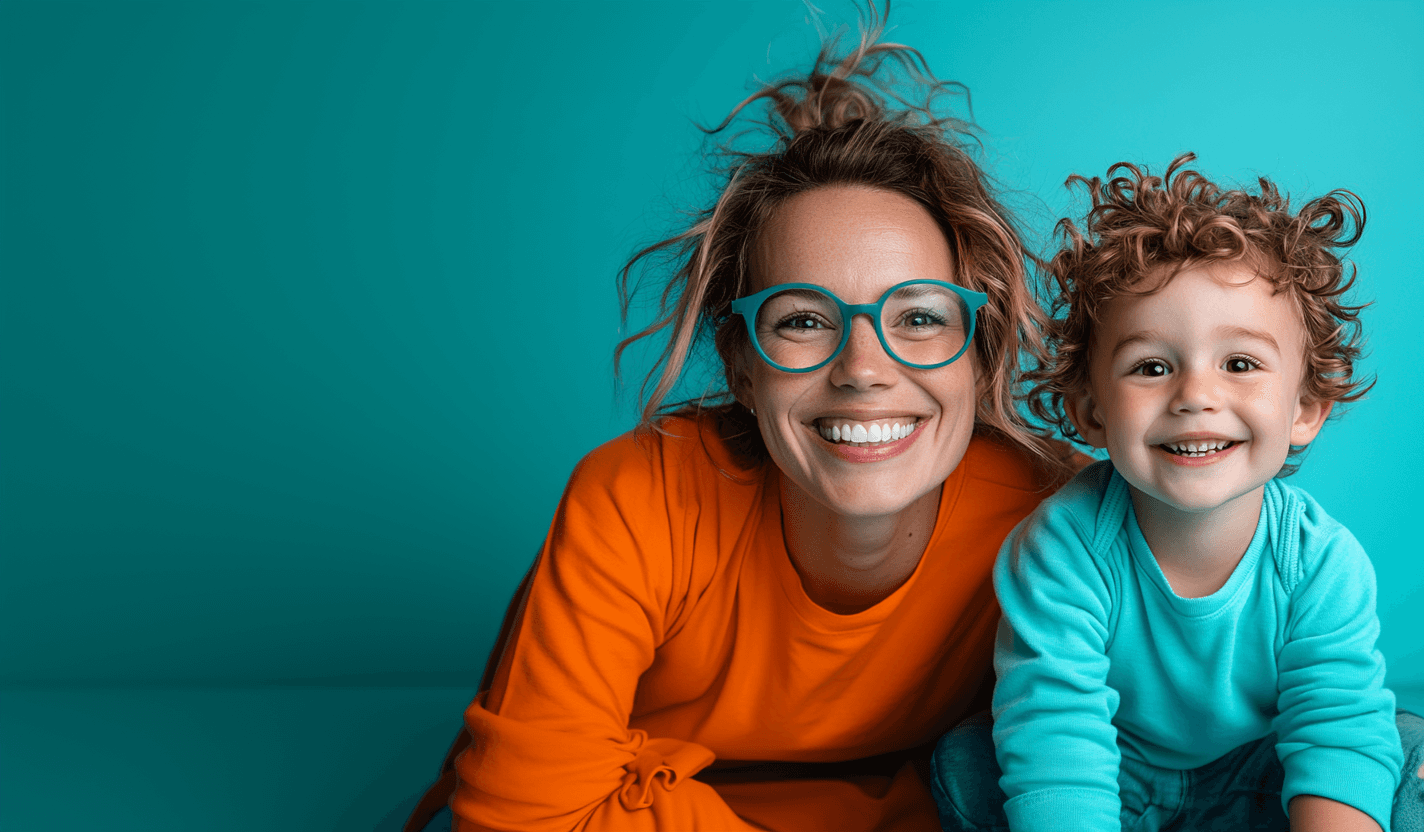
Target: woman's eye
{"type": "Point", "coordinates": [1241, 364]}
{"type": "Point", "coordinates": [802, 322]}
{"type": "Point", "coordinates": [1151, 368]}
{"type": "Point", "coordinates": [921, 319]}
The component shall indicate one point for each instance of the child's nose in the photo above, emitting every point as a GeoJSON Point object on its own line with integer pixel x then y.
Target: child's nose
{"type": "Point", "coordinates": [1196, 392]}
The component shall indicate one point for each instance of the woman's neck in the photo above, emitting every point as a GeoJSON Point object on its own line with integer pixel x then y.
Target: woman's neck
{"type": "Point", "coordinates": [848, 564]}
{"type": "Point", "coordinates": [1198, 551]}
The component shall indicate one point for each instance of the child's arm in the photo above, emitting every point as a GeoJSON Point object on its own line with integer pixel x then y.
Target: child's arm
{"type": "Point", "coordinates": [1053, 711]}
{"type": "Point", "coordinates": [1310, 813]}
{"type": "Point", "coordinates": [1336, 733]}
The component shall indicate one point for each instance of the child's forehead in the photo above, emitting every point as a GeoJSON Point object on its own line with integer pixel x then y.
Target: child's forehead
{"type": "Point", "coordinates": [1160, 278]}
{"type": "Point", "coordinates": [1226, 272]}
{"type": "Point", "coordinates": [1230, 296]}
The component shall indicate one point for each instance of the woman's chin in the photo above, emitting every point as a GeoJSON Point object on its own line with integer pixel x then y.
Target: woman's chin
{"type": "Point", "coordinates": [867, 495]}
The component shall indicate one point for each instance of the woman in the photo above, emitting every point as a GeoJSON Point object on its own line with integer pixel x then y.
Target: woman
{"type": "Point", "coordinates": [761, 615]}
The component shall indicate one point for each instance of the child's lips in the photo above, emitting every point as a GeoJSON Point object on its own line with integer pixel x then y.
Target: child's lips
{"type": "Point", "coordinates": [1197, 447]}
{"type": "Point", "coordinates": [1198, 452]}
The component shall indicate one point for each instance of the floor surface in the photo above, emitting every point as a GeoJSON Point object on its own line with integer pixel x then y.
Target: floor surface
{"type": "Point", "coordinates": [220, 760]}
{"type": "Point", "coordinates": [275, 759]}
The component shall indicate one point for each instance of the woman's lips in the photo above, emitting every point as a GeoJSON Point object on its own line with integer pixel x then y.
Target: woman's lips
{"type": "Point", "coordinates": [866, 432]}
{"type": "Point", "coordinates": [869, 450]}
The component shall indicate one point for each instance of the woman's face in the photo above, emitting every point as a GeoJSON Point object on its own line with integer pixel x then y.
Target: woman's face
{"type": "Point", "coordinates": [858, 242]}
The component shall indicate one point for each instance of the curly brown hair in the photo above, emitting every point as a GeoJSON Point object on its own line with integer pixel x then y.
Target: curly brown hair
{"type": "Point", "coordinates": [845, 123]}
{"type": "Point", "coordinates": [1142, 226]}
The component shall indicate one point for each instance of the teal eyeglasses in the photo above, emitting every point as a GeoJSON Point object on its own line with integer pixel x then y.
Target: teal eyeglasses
{"type": "Point", "coordinates": [800, 327]}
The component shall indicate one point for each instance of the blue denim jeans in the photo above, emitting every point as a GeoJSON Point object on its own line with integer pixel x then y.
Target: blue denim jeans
{"type": "Point", "coordinates": [1241, 790]}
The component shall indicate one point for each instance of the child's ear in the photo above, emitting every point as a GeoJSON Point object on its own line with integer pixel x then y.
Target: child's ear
{"type": "Point", "coordinates": [1309, 417]}
{"type": "Point", "coordinates": [1082, 410]}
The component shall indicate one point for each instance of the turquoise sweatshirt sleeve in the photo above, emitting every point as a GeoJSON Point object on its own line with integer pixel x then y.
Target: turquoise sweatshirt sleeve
{"type": "Point", "coordinates": [1335, 730]}
{"type": "Point", "coordinates": [1053, 710]}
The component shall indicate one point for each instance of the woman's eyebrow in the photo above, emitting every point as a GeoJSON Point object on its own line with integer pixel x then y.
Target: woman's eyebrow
{"type": "Point", "coordinates": [806, 294]}
{"type": "Point", "coordinates": [919, 290]}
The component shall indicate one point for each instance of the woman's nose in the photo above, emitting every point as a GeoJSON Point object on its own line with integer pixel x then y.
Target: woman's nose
{"type": "Point", "coordinates": [863, 363]}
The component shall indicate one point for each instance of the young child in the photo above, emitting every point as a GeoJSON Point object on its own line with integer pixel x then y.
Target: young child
{"type": "Point", "coordinates": [1188, 642]}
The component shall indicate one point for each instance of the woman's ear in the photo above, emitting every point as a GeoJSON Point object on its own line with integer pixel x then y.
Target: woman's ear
{"type": "Point", "coordinates": [982, 375]}
{"type": "Point", "coordinates": [1310, 416]}
{"type": "Point", "coordinates": [1083, 412]}
{"type": "Point", "coordinates": [739, 381]}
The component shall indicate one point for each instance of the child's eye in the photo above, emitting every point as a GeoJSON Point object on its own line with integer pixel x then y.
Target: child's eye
{"type": "Point", "coordinates": [1150, 367]}
{"type": "Point", "coordinates": [1241, 364]}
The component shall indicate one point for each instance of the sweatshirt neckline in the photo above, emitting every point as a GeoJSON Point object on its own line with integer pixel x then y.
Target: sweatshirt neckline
{"type": "Point", "coordinates": [790, 580]}
{"type": "Point", "coordinates": [1207, 604]}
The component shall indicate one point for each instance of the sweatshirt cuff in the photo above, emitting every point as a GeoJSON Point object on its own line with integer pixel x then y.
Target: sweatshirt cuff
{"type": "Point", "coordinates": [1343, 775]}
{"type": "Point", "coordinates": [1046, 809]}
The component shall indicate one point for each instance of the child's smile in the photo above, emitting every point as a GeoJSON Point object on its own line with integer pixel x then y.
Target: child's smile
{"type": "Point", "coordinates": [1196, 391]}
{"type": "Point", "coordinates": [1198, 450]}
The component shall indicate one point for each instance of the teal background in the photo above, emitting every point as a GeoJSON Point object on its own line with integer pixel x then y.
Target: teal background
{"type": "Point", "coordinates": [308, 311]}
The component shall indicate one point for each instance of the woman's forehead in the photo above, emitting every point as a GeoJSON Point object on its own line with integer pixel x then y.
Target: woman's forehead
{"type": "Point", "coordinates": [854, 239]}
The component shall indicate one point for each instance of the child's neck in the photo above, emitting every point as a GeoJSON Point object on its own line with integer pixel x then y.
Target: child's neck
{"type": "Point", "coordinates": [1198, 551]}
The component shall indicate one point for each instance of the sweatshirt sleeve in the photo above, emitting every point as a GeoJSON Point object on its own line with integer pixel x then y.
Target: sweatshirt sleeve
{"type": "Point", "coordinates": [552, 748]}
{"type": "Point", "coordinates": [1053, 710]}
{"type": "Point", "coordinates": [1336, 734]}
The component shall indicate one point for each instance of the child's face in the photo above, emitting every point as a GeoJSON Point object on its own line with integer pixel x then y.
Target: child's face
{"type": "Point", "coordinates": [1196, 389]}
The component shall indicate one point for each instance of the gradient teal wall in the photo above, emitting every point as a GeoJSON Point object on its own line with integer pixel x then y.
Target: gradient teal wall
{"type": "Point", "coordinates": [308, 308]}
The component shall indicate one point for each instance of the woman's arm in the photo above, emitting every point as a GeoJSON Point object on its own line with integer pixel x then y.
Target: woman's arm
{"type": "Point", "coordinates": [552, 748]}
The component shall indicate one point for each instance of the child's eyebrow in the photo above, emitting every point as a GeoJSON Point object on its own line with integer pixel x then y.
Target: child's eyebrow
{"type": "Point", "coordinates": [1252, 334]}
{"type": "Point", "coordinates": [1141, 337]}
{"type": "Point", "coordinates": [1148, 336]}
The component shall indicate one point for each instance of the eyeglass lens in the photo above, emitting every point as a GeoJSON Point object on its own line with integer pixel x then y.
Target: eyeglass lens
{"type": "Point", "coordinates": [922, 324]}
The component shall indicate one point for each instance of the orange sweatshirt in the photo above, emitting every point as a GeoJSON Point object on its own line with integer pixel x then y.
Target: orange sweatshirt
{"type": "Point", "coordinates": [670, 673]}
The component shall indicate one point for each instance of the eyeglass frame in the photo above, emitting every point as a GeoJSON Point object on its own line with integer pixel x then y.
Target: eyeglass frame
{"type": "Point", "coordinates": [749, 306]}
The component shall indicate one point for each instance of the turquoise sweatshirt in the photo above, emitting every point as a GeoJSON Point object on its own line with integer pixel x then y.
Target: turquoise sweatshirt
{"type": "Point", "coordinates": [1097, 657]}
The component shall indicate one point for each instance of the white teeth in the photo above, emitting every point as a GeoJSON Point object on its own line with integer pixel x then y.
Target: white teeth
{"type": "Point", "coordinates": [1198, 448]}
{"type": "Point", "coordinates": [867, 434]}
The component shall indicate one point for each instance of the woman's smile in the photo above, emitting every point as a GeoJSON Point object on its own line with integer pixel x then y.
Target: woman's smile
{"type": "Point", "coordinates": [871, 432]}
{"type": "Point", "coordinates": [869, 441]}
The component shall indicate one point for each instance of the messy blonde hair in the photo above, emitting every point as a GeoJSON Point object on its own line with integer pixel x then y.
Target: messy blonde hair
{"type": "Point", "coordinates": [1144, 226]}
{"type": "Point", "coordinates": [845, 123]}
